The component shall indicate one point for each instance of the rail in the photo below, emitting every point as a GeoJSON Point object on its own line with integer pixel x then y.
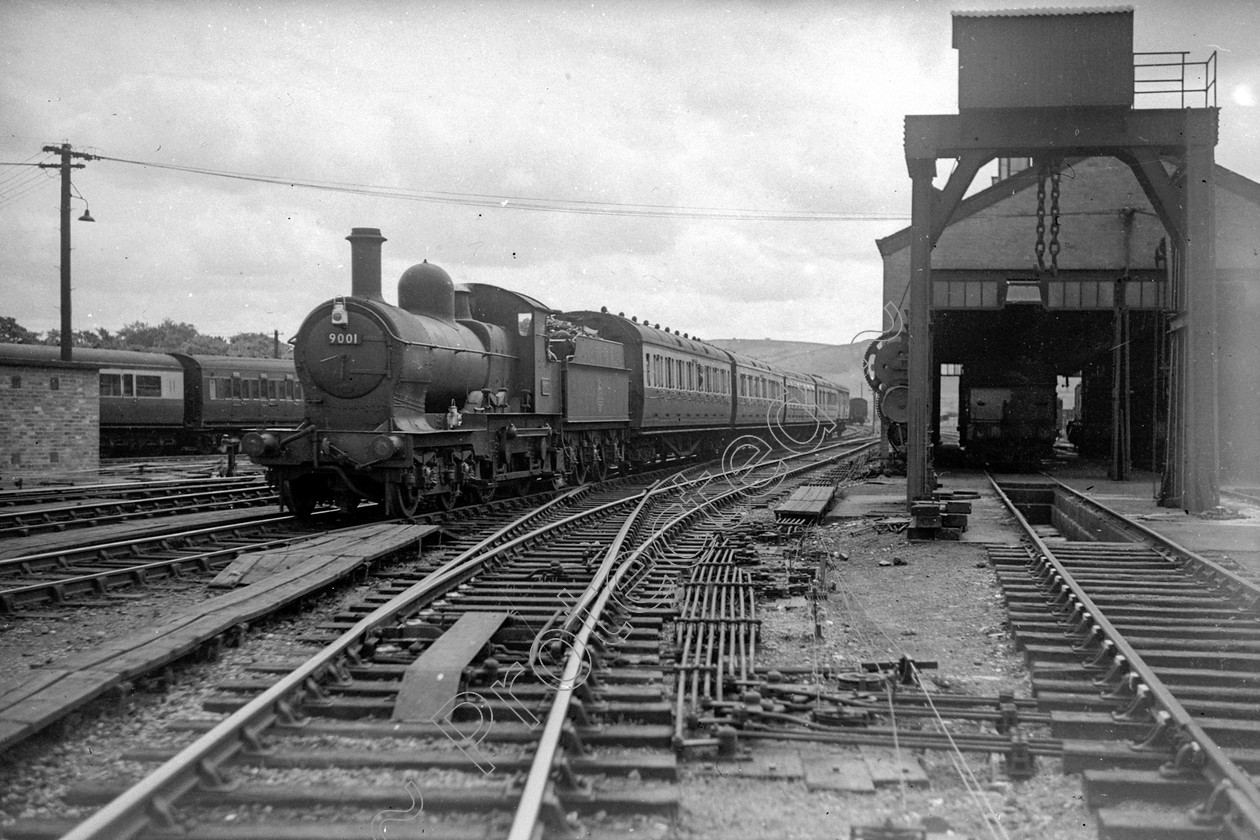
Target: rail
{"type": "Point", "coordinates": [199, 763]}
{"type": "Point", "coordinates": [1230, 783]}
{"type": "Point", "coordinates": [1170, 73]}
{"type": "Point", "coordinates": [589, 609]}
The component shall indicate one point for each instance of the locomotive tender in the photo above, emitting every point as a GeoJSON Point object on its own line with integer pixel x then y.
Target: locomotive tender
{"type": "Point", "coordinates": [175, 403]}
{"type": "Point", "coordinates": [461, 390]}
{"type": "Point", "coordinates": [1008, 417]}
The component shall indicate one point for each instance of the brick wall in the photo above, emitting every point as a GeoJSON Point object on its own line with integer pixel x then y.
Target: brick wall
{"type": "Point", "coordinates": [49, 422]}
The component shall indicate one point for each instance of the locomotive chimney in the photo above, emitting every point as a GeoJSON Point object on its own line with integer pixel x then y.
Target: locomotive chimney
{"type": "Point", "coordinates": [365, 262]}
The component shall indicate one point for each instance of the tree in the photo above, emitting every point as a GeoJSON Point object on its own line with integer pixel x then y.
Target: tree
{"type": "Point", "coordinates": [170, 337]}
{"type": "Point", "coordinates": [101, 339]}
{"type": "Point", "coordinates": [257, 345]}
{"type": "Point", "coordinates": [11, 332]}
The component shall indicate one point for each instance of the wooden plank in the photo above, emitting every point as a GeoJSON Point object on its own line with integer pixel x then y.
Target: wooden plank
{"type": "Point", "coordinates": [431, 683]}
{"type": "Point", "coordinates": [56, 700]}
{"type": "Point", "coordinates": [48, 694]}
{"type": "Point", "coordinates": [11, 732]}
{"type": "Point", "coordinates": [31, 682]}
{"type": "Point", "coordinates": [847, 773]}
{"type": "Point", "coordinates": [760, 765]}
{"type": "Point", "coordinates": [810, 500]}
{"type": "Point", "coordinates": [362, 542]}
{"type": "Point", "coordinates": [887, 769]}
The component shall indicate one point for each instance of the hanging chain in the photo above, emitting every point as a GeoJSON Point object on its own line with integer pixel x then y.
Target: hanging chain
{"type": "Point", "coordinates": [1040, 247]}
{"type": "Point", "coordinates": [1054, 220]}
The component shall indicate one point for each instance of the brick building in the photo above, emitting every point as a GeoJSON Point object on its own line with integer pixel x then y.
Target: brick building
{"type": "Point", "coordinates": [1108, 230]}
{"type": "Point", "coordinates": [49, 420]}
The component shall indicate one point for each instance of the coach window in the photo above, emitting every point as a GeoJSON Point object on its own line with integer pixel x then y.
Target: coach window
{"type": "Point", "coordinates": [236, 386]}
{"type": "Point", "coordinates": [111, 385]}
{"type": "Point", "coordinates": [148, 386]}
{"type": "Point", "coordinates": [129, 385]}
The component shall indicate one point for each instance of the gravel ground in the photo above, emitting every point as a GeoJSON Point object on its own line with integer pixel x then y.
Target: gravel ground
{"type": "Point", "coordinates": [34, 774]}
{"type": "Point", "coordinates": [932, 601]}
{"type": "Point", "coordinates": [43, 637]}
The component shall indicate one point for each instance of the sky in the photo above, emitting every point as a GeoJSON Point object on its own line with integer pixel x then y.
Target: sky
{"type": "Point", "coordinates": [730, 164]}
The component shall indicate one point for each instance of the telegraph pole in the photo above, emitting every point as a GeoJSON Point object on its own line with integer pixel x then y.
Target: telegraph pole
{"type": "Point", "coordinates": [65, 166]}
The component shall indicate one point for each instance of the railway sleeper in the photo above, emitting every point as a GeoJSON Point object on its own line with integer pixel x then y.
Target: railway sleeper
{"type": "Point", "coordinates": [509, 730]}
{"type": "Point", "coordinates": [646, 765]}
{"type": "Point", "coordinates": [1081, 755]}
{"type": "Point", "coordinates": [350, 708]}
{"type": "Point", "coordinates": [1085, 725]}
{"type": "Point", "coordinates": [1125, 824]}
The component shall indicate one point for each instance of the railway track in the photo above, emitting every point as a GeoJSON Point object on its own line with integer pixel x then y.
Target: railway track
{"type": "Point", "coordinates": [1147, 657]}
{"type": "Point", "coordinates": [113, 490]}
{"type": "Point", "coordinates": [438, 709]}
{"type": "Point", "coordinates": [84, 508]}
{"type": "Point", "coordinates": [63, 575]}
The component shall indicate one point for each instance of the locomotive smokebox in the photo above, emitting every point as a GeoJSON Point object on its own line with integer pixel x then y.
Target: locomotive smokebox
{"type": "Point", "coordinates": [365, 262]}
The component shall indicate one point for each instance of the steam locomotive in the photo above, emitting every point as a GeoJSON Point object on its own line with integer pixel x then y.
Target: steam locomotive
{"type": "Point", "coordinates": [462, 391]}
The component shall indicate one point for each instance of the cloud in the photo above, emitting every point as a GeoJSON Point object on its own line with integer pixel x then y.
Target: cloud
{"type": "Point", "coordinates": [772, 107]}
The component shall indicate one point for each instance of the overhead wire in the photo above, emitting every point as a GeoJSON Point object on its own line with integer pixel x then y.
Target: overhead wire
{"type": "Point", "coordinates": [21, 181]}
{"type": "Point", "coordinates": [525, 203]}
{"type": "Point", "coordinates": [24, 188]}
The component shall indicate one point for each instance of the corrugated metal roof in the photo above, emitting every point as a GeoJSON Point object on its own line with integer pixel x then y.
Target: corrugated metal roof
{"type": "Point", "coordinates": [1047, 12]}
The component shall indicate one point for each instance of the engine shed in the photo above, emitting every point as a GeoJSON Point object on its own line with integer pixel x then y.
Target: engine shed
{"type": "Point", "coordinates": [1111, 251]}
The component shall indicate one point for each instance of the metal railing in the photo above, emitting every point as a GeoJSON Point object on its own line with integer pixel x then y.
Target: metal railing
{"type": "Point", "coordinates": [1171, 74]}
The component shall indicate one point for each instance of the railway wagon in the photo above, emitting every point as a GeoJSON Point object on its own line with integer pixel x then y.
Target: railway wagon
{"type": "Point", "coordinates": [679, 388]}
{"type": "Point", "coordinates": [859, 411]}
{"type": "Point", "coordinates": [160, 403]}
{"type": "Point", "coordinates": [832, 401]}
{"type": "Point", "coordinates": [689, 397]}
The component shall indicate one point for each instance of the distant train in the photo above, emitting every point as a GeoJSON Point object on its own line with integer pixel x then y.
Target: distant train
{"type": "Point", "coordinates": [171, 403]}
{"type": "Point", "coordinates": [858, 408]}
{"type": "Point", "coordinates": [1008, 418]}
{"type": "Point", "coordinates": [463, 391]}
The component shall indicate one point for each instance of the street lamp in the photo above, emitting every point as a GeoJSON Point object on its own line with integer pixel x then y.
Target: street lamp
{"type": "Point", "coordinates": [65, 166]}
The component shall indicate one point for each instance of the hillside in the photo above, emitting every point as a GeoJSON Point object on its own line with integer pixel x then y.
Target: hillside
{"type": "Point", "coordinates": [841, 363]}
